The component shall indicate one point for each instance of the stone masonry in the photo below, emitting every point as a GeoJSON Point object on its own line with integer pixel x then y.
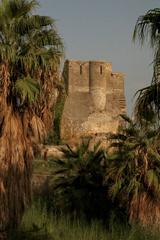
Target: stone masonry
{"type": "Point", "coordinates": [95, 98]}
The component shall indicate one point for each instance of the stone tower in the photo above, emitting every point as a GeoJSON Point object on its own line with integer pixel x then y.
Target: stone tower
{"type": "Point", "coordinates": [95, 98]}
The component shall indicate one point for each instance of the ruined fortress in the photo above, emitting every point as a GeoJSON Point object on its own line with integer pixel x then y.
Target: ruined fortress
{"type": "Point", "coordinates": [95, 98]}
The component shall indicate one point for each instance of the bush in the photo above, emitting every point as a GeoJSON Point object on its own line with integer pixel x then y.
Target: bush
{"type": "Point", "coordinates": [79, 182]}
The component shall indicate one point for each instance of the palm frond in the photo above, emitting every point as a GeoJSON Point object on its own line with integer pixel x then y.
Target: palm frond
{"type": "Point", "coordinates": [147, 102]}
{"type": "Point", "coordinates": [148, 26]}
{"type": "Point", "coordinates": [126, 118]}
{"type": "Point", "coordinates": [24, 26]}
{"type": "Point", "coordinates": [27, 88]}
{"type": "Point", "coordinates": [17, 8]}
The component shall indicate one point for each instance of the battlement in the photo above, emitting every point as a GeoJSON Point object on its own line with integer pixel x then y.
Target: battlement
{"type": "Point", "coordinates": [82, 76]}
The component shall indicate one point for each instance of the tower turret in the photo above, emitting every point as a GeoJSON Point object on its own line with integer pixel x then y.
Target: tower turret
{"type": "Point", "coordinates": [99, 75]}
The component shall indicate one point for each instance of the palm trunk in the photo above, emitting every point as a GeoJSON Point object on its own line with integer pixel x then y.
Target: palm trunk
{"type": "Point", "coordinates": [48, 98]}
{"type": "Point", "coordinates": [15, 161]}
{"type": "Point", "coordinates": [145, 210]}
{"type": "Point", "coordinates": [15, 168]}
{"type": "Point", "coordinates": [18, 132]}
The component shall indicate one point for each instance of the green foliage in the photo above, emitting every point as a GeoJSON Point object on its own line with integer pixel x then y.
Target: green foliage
{"type": "Point", "coordinates": [38, 224]}
{"type": "Point", "coordinates": [147, 104]}
{"type": "Point", "coordinates": [153, 179]}
{"type": "Point", "coordinates": [78, 182]}
{"type": "Point", "coordinates": [94, 183]}
{"type": "Point", "coordinates": [27, 88]}
{"type": "Point", "coordinates": [29, 44]}
{"type": "Point", "coordinates": [134, 164]}
{"type": "Point", "coordinates": [42, 167]}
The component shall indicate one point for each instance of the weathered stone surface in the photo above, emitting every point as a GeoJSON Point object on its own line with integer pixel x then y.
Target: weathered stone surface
{"type": "Point", "coordinates": [51, 151]}
{"type": "Point", "coordinates": [95, 98]}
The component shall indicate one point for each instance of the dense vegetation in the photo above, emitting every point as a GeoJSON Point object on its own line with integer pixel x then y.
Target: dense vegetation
{"type": "Point", "coordinates": [37, 224]}
{"type": "Point", "coordinates": [91, 192]}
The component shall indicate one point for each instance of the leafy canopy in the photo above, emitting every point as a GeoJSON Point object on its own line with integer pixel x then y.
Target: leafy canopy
{"type": "Point", "coordinates": [28, 43]}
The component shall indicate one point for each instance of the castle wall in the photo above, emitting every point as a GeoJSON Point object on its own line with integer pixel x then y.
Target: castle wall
{"type": "Point", "coordinates": [95, 98]}
{"type": "Point", "coordinates": [78, 76]}
{"type": "Point", "coordinates": [118, 91]}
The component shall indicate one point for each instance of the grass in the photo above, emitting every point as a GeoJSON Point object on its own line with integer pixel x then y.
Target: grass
{"type": "Point", "coordinates": [37, 224]}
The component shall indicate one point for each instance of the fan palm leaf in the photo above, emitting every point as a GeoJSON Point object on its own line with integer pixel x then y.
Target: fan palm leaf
{"type": "Point", "coordinates": [148, 26]}
{"type": "Point", "coordinates": [27, 88]}
{"type": "Point", "coordinates": [81, 173]}
{"type": "Point", "coordinates": [148, 103]}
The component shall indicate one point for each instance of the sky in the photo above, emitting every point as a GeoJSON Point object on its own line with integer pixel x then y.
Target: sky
{"type": "Point", "coordinates": [102, 30]}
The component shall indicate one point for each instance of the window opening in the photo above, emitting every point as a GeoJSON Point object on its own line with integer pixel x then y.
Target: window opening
{"type": "Point", "coordinates": [101, 70]}
{"type": "Point", "coordinates": [80, 69]}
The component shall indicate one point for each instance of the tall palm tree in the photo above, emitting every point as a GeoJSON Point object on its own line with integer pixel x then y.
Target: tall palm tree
{"type": "Point", "coordinates": [147, 28]}
{"type": "Point", "coordinates": [30, 53]}
{"type": "Point", "coordinates": [134, 172]}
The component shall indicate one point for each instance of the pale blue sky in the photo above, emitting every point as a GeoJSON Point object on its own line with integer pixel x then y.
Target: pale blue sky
{"type": "Point", "coordinates": [102, 30]}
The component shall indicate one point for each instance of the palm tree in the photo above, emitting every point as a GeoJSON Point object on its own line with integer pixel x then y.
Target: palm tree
{"type": "Point", "coordinates": [134, 172]}
{"type": "Point", "coordinates": [148, 28]}
{"type": "Point", "coordinates": [78, 181]}
{"type": "Point", "coordinates": [30, 53]}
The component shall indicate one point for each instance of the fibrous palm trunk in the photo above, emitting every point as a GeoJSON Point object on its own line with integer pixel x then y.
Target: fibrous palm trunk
{"type": "Point", "coordinates": [15, 160]}
{"type": "Point", "coordinates": [145, 210]}
{"type": "Point", "coordinates": [49, 93]}
{"type": "Point", "coordinates": [18, 132]}
{"type": "Point", "coordinates": [15, 168]}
